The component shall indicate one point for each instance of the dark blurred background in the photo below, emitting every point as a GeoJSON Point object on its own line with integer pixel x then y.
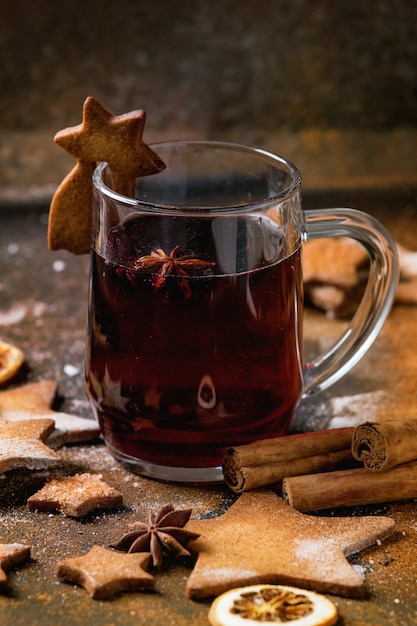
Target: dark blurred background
{"type": "Point", "coordinates": [330, 84]}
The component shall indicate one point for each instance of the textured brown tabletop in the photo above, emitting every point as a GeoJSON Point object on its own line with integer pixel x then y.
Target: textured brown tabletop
{"type": "Point", "coordinates": [43, 299]}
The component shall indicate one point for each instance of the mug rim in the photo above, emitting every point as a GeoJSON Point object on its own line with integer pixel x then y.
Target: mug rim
{"type": "Point", "coordinates": [295, 183]}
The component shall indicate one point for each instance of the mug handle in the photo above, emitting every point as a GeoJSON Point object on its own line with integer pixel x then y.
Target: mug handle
{"type": "Point", "coordinates": [377, 299]}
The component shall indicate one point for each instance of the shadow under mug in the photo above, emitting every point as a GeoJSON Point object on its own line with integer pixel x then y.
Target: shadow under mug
{"type": "Point", "coordinates": [196, 305]}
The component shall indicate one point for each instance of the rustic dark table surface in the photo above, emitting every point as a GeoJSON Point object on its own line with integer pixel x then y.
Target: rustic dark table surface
{"type": "Point", "coordinates": [43, 299]}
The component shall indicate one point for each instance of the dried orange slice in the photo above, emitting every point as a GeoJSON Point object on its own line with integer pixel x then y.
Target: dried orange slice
{"type": "Point", "coordinates": [11, 358]}
{"type": "Point", "coordinates": [272, 604]}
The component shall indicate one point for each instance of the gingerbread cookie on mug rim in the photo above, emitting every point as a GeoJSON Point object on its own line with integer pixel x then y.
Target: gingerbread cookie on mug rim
{"type": "Point", "coordinates": [102, 136]}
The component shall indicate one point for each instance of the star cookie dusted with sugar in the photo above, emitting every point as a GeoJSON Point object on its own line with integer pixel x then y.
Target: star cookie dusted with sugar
{"type": "Point", "coordinates": [102, 136]}
{"type": "Point", "coordinates": [103, 572]}
{"type": "Point", "coordinates": [34, 401]}
{"type": "Point", "coordinates": [260, 539]}
{"type": "Point", "coordinates": [11, 554]}
{"type": "Point", "coordinates": [21, 445]}
{"type": "Point", "coordinates": [75, 496]}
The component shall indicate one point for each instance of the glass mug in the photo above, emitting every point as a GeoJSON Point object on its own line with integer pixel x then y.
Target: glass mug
{"type": "Point", "coordinates": [196, 306]}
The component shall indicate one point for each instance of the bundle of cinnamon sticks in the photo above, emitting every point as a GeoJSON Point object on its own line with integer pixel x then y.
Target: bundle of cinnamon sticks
{"type": "Point", "coordinates": [375, 462]}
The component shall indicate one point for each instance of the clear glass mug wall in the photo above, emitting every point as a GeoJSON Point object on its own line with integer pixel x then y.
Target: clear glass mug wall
{"type": "Point", "coordinates": [196, 306]}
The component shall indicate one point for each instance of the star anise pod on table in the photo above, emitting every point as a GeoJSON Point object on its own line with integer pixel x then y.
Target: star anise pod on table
{"type": "Point", "coordinates": [173, 263]}
{"type": "Point", "coordinates": [163, 535]}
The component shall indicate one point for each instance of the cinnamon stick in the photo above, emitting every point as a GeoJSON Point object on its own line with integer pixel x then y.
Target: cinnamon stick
{"type": "Point", "coordinates": [385, 445]}
{"type": "Point", "coordinates": [351, 487]}
{"type": "Point", "coordinates": [268, 461]}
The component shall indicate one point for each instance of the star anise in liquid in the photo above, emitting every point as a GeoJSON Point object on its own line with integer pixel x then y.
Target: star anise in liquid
{"type": "Point", "coordinates": [162, 535]}
{"type": "Point", "coordinates": [163, 264]}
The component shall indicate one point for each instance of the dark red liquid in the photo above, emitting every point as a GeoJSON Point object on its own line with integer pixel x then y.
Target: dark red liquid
{"type": "Point", "coordinates": [176, 374]}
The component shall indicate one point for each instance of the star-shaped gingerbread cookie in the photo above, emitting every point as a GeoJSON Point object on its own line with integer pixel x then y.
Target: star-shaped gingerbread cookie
{"type": "Point", "coordinates": [75, 496]}
{"type": "Point", "coordinates": [102, 136]}
{"type": "Point", "coordinates": [21, 445]}
{"type": "Point", "coordinates": [260, 539]}
{"type": "Point", "coordinates": [34, 401]}
{"type": "Point", "coordinates": [103, 572]}
{"type": "Point", "coordinates": [11, 554]}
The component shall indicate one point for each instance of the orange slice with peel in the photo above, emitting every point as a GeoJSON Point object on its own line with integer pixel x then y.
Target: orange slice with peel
{"type": "Point", "coordinates": [11, 358]}
{"type": "Point", "coordinates": [272, 604]}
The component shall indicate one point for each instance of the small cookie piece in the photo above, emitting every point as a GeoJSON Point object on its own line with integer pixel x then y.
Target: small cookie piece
{"type": "Point", "coordinates": [407, 289]}
{"type": "Point", "coordinates": [75, 496]}
{"type": "Point", "coordinates": [11, 360]}
{"type": "Point", "coordinates": [103, 572]}
{"type": "Point", "coordinates": [334, 274]}
{"type": "Point", "coordinates": [333, 262]}
{"type": "Point", "coordinates": [260, 539]}
{"type": "Point", "coordinates": [34, 401]}
{"type": "Point", "coordinates": [102, 136]}
{"type": "Point", "coordinates": [269, 604]}
{"type": "Point", "coordinates": [408, 262]}
{"type": "Point", "coordinates": [406, 292]}
{"type": "Point", "coordinates": [11, 554]}
{"type": "Point", "coordinates": [21, 445]}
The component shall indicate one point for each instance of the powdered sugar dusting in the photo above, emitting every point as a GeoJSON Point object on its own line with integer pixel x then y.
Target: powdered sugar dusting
{"type": "Point", "coordinates": [308, 550]}
{"type": "Point", "coordinates": [94, 457]}
{"type": "Point", "coordinates": [226, 574]}
{"type": "Point", "coordinates": [14, 315]}
{"type": "Point", "coordinates": [354, 410]}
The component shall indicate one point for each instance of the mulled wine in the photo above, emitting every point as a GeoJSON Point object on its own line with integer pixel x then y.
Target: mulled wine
{"type": "Point", "coordinates": [195, 308]}
{"type": "Point", "coordinates": [183, 359]}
